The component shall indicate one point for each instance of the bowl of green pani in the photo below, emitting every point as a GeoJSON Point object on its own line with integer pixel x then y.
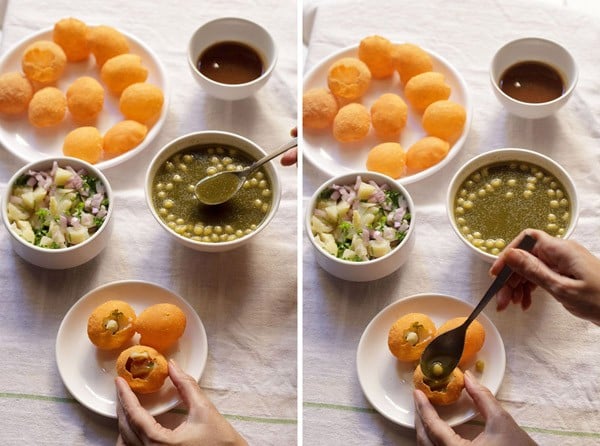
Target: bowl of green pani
{"type": "Point", "coordinates": [179, 165]}
{"type": "Point", "coordinates": [497, 194]}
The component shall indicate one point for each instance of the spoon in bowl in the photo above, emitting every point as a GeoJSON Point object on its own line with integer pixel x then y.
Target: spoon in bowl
{"type": "Point", "coordinates": [222, 186]}
{"type": "Point", "coordinates": [442, 354]}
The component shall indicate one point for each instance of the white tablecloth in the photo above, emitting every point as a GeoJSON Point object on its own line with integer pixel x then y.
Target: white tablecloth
{"type": "Point", "coordinates": [246, 298]}
{"type": "Point", "coordinates": [551, 384]}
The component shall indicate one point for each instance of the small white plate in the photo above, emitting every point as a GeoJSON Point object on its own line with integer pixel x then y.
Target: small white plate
{"type": "Point", "coordinates": [89, 373]}
{"type": "Point", "coordinates": [335, 158]}
{"type": "Point", "coordinates": [30, 144]}
{"type": "Point", "coordinates": [388, 383]}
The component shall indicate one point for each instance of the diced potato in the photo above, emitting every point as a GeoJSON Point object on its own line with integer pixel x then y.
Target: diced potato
{"type": "Point", "coordinates": [365, 190]}
{"type": "Point", "coordinates": [26, 230]}
{"type": "Point", "coordinates": [39, 194]}
{"type": "Point", "coordinates": [15, 213]}
{"type": "Point", "coordinates": [28, 200]}
{"type": "Point", "coordinates": [348, 254]}
{"type": "Point", "coordinates": [56, 233]}
{"type": "Point", "coordinates": [379, 248]}
{"type": "Point", "coordinates": [318, 226]}
{"type": "Point", "coordinates": [65, 206]}
{"type": "Point", "coordinates": [332, 213]}
{"type": "Point", "coordinates": [76, 236]}
{"type": "Point", "coordinates": [46, 242]}
{"type": "Point", "coordinates": [62, 176]}
{"type": "Point", "coordinates": [327, 242]}
{"type": "Point", "coordinates": [356, 220]}
{"type": "Point", "coordinates": [343, 207]}
{"type": "Point", "coordinates": [53, 206]}
{"type": "Point", "coordinates": [368, 219]}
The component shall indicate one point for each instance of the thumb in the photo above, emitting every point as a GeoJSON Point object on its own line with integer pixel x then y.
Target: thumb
{"type": "Point", "coordinates": [191, 394]}
{"type": "Point", "coordinates": [484, 401]}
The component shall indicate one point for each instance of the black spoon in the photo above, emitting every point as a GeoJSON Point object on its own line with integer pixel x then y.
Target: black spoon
{"type": "Point", "coordinates": [442, 355]}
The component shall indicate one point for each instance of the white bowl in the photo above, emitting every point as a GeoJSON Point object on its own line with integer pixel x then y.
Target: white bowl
{"type": "Point", "coordinates": [238, 30]}
{"type": "Point", "coordinates": [65, 257]}
{"type": "Point", "coordinates": [371, 269]}
{"type": "Point", "coordinates": [213, 138]}
{"type": "Point", "coordinates": [539, 50]}
{"type": "Point", "coordinates": [509, 154]}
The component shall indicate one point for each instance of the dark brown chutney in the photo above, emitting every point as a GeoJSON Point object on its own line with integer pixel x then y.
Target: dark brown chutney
{"type": "Point", "coordinates": [532, 82]}
{"type": "Point", "coordinates": [175, 202]}
{"type": "Point", "coordinates": [230, 62]}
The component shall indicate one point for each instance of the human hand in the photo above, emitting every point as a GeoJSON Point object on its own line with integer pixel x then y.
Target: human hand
{"type": "Point", "coordinates": [290, 157]}
{"type": "Point", "coordinates": [500, 428]}
{"type": "Point", "coordinates": [204, 425]}
{"type": "Point", "coordinates": [564, 268]}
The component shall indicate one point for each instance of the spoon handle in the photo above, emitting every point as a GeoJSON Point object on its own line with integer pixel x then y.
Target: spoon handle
{"type": "Point", "coordinates": [284, 148]}
{"type": "Point", "coordinates": [526, 245]}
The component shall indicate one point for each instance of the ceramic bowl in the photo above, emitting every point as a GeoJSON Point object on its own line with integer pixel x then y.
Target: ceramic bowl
{"type": "Point", "coordinates": [538, 50]}
{"type": "Point", "coordinates": [508, 155]}
{"type": "Point", "coordinates": [211, 139]}
{"type": "Point", "coordinates": [236, 30]}
{"type": "Point", "coordinates": [370, 269]}
{"type": "Point", "coordinates": [61, 258]}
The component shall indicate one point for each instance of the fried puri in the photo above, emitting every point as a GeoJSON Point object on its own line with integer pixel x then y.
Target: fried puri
{"type": "Point", "coordinates": [440, 393]}
{"type": "Point", "coordinates": [106, 42]}
{"type": "Point", "coordinates": [352, 123]}
{"type": "Point", "coordinates": [84, 143]}
{"type": "Point", "coordinates": [85, 99]}
{"type": "Point", "coordinates": [387, 158]}
{"type": "Point", "coordinates": [409, 336]}
{"type": "Point", "coordinates": [47, 107]}
{"type": "Point", "coordinates": [141, 102]}
{"type": "Point", "coordinates": [389, 114]}
{"type": "Point", "coordinates": [160, 326]}
{"type": "Point", "coordinates": [319, 108]}
{"type": "Point", "coordinates": [410, 60]}
{"type": "Point", "coordinates": [144, 369]}
{"type": "Point", "coordinates": [110, 326]}
{"type": "Point", "coordinates": [376, 52]}
{"type": "Point", "coordinates": [122, 137]}
{"type": "Point", "coordinates": [474, 338]}
{"type": "Point", "coordinates": [71, 35]}
{"type": "Point", "coordinates": [425, 89]}
{"type": "Point", "coordinates": [426, 152]}
{"type": "Point", "coordinates": [43, 61]}
{"type": "Point", "coordinates": [15, 93]}
{"type": "Point", "coordinates": [444, 119]}
{"type": "Point", "coordinates": [121, 71]}
{"type": "Point", "coordinates": [348, 78]}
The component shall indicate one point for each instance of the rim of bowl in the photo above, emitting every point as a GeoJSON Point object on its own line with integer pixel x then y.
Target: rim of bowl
{"type": "Point", "coordinates": [275, 186]}
{"type": "Point", "coordinates": [467, 167]}
{"type": "Point", "coordinates": [267, 72]}
{"type": "Point", "coordinates": [64, 160]}
{"type": "Point", "coordinates": [560, 47]}
{"type": "Point", "coordinates": [381, 178]}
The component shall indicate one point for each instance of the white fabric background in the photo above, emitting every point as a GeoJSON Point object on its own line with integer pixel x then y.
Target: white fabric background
{"type": "Point", "coordinates": [246, 298]}
{"type": "Point", "coordinates": [551, 384]}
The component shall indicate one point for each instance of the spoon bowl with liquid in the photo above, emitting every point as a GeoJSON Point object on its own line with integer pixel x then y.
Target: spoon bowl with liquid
{"type": "Point", "coordinates": [442, 354]}
{"type": "Point", "coordinates": [222, 186]}
{"type": "Point", "coordinates": [533, 77]}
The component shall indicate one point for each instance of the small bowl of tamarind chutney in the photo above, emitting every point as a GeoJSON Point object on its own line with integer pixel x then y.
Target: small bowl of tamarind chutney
{"type": "Point", "coordinates": [533, 77]}
{"type": "Point", "coordinates": [231, 58]}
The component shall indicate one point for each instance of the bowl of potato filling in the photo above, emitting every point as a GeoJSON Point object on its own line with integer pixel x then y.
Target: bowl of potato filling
{"type": "Point", "coordinates": [179, 165]}
{"type": "Point", "coordinates": [58, 212]}
{"type": "Point", "coordinates": [497, 194]}
{"type": "Point", "coordinates": [361, 226]}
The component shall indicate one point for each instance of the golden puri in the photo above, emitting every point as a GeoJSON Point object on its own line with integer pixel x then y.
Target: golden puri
{"type": "Point", "coordinates": [110, 326]}
{"type": "Point", "coordinates": [389, 114]}
{"type": "Point", "coordinates": [376, 52]}
{"type": "Point", "coordinates": [474, 338]}
{"type": "Point", "coordinates": [426, 88]}
{"type": "Point", "coordinates": [15, 93]}
{"type": "Point", "coordinates": [352, 123]}
{"type": "Point", "coordinates": [84, 143]}
{"type": "Point", "coordinates": [319, 108]}
{"type": "Point", "coordinates": [144, 369]}
{"type": "Point", "coordinates": [141, 102]}
{"type": "Point", "coordinates": [106, 42]}
{"type": "Point", "coordinates": [121, 71]}
{"type": "Point", "coordinates": [409, 336]}
{"type": "Point", "coordinates": [426, 152]}
{"type": "Point", "coordinates": [85, 99]}
{"type": "Point", "coordinates": [160, 326]}
{"type": "Point", "coordinates": [122, 137]}
{"type": "Point", "coordinates": [349, 78]}
{"type": "Point", "coordinates": [410, 60]}
{"type": "Point", "coordinates": [444, 119]}
{"type": "Point", "coordinates": [440, 394]}
{"type": "Point", "coordinates": [43, 62]}
{"type": "Point", "coordinates": [47, 107]}
{"type": "Point", "coordinates": [71, 35]}
{"type": "Point", "coordinates": [387, 158]}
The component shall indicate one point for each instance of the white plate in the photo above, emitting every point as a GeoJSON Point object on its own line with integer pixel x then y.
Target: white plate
{"type": "Point", "coordinates": [28, 143]}
{"type": "Point", "coordinates": [89, 373]}
{"type": "Point", "coordinates": [387, 383]}
{"type": "Point", "coordinates": [335, 158]}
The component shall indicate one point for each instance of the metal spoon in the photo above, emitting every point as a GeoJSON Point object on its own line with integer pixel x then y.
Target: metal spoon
{"type": "Point", "coordinates": [221, 186]}
{"type": "Point", "coordinates": [447, 348]}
